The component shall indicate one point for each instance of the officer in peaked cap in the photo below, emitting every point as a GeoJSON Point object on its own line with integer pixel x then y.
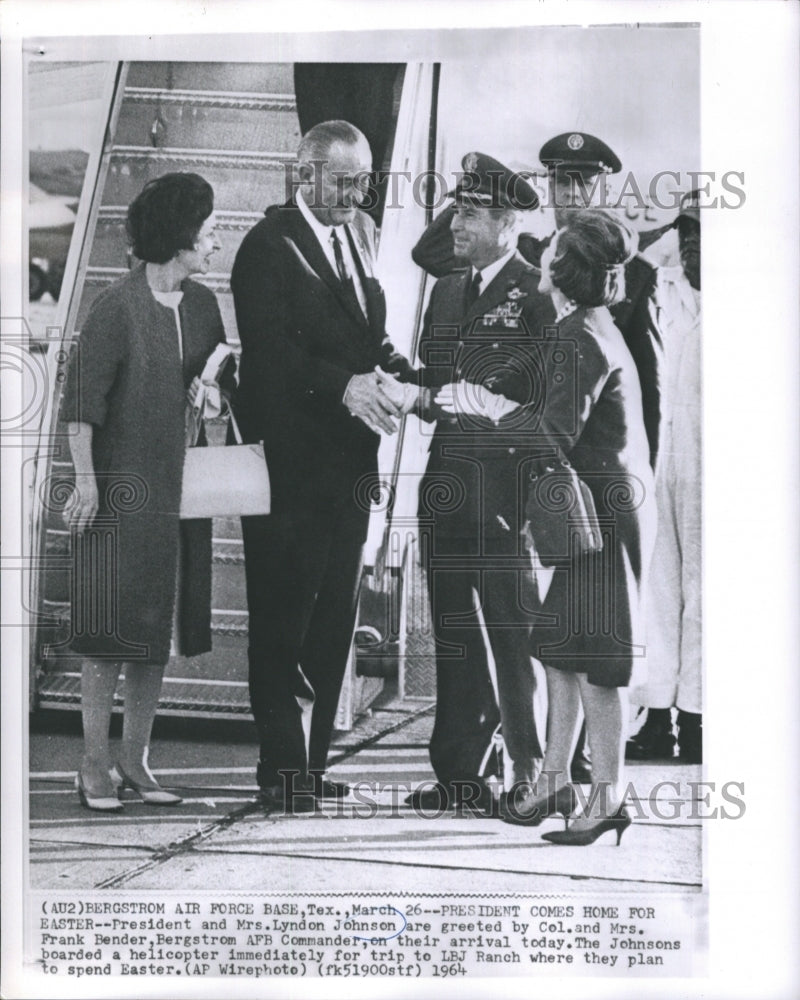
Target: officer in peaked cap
{"type": "Point", "coordinates": [569, 157]}
{"type": "Point", "coordinates": [478, 334]}
{"type": "Point", "coordinates": [484, 181]}
{"type": "Point", "coordinates": [572, 159]}
{"type": "Point", "coordinates": [487, 182]}
{"type": "Point", "coordinates": [580, 151]}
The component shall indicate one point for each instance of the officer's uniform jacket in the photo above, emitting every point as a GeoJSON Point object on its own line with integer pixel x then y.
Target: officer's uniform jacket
{"type": "Point", "coordinates": [635, 316]}
{"type": "Point", "coordinates": [475, 481]}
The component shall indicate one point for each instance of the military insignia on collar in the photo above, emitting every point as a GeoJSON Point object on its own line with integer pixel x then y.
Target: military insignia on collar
{"type": "Point", "coordinates": [575, 141]}
{"type": "Point", "coordinates": [471, 163]}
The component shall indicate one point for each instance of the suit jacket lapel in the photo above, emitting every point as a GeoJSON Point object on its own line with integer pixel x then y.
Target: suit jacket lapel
{"type": "Point", "coordinates": [364, 265]}
{"type": "Point", "coordinates": [362, 251]}
{"type": "Point", "coordinates": [309, 248]}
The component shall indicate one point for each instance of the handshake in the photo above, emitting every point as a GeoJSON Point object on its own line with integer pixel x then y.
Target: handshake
{"type": "Point", "coordinates": [377, 398]}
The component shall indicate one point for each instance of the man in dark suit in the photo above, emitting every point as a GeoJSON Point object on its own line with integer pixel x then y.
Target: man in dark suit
{"type": "Point", "coordinates": [311, 317]}
{"type": "Point", "coordinates": [482, 331]}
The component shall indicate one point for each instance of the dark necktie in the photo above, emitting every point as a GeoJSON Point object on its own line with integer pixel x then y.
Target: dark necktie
{"type": "Point", "coordinates": [341, 269]}
{"type": "Point", "coordinates": [474, 289]}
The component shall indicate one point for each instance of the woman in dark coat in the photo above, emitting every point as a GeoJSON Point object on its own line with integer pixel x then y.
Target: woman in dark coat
{"type": "Point", "coordinates": [593, 624]}
{"type": "Point", "coordinates": [142, 349]}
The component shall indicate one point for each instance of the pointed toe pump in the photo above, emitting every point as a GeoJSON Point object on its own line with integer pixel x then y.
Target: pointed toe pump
{"type": "Point", "coordinates": [562, 801]}
{"type": "Point", "coordinates": [151, 795]}
{"type": "Point", "coordinates": [619, 823]}
{"type": "Point", "coordinates": [97, 803]}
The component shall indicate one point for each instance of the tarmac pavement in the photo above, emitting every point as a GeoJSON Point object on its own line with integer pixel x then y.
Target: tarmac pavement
{"type": "Point", "coordinates": [220, 838]}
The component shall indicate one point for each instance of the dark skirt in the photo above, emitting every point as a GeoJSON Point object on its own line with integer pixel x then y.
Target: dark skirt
{"type": "Point", "coordinates": [591, 619]}
{"type": "Point", "coordinates": [128, 603]}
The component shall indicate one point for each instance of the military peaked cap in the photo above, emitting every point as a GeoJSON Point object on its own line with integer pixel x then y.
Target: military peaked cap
{"type": "Point", "coordinates": [580, 151]}
{"type": "Point", "coordinates": [486, 181]}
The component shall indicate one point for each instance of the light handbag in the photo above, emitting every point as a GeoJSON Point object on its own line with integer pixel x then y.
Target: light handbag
{"type": "Point", "coordinates": [225, 481]}
{"type": "Point", "coordinates": [561, 513]}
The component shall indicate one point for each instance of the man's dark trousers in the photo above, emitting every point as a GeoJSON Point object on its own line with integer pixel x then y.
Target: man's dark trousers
{"type": "Point", "coordinates": [303, 570]}
{"type": "Point", "coordinates": [496, 591]}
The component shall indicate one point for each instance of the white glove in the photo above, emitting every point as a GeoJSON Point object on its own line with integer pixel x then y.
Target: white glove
{"type": "Point", "coordinates": [205, 399]}
{"type": "Point", "coordinates": [402, 394]}
{"type": "Point", "coordinates": [471, 399]}
{"type": "Point", "coordinates": [205, 403]}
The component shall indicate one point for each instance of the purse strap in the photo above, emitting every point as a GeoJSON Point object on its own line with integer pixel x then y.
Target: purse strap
{"type": "Point", "coordinates": [237, 434]}
{"type": "Point", "coordinates": [212, 369]}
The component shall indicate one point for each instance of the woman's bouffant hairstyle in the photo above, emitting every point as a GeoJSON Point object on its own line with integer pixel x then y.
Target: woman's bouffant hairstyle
{"type": "Point", "coordinates": [591, 253]}
{"type": "Point", "coordinates": [167, 215]}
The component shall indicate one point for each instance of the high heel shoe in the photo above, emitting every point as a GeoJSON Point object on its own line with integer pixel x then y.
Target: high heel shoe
{"type": "Point", "coordinates": [563, 800]}
{"type": "Point", "coordinates": [98, 803]}
{"type": "Point", "coordinates": [619, 822]}
{"type": "Point", "coordinates": [151, 795]}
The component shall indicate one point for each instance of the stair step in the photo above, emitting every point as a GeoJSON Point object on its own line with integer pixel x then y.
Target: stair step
{"type": "Point", "coordinates": [226, 551]}
{"type": "Point", "coordinates": [255, 78]}
{"type": "Point", "coordinates": [227, 528]}
{"type": "Point", "coordinates": [194, 118]}
{"type": "Point", "coordinates": [228, 588]}
{"type": "Point", "coordinates": [110, 247]}
{"type": "Point", "coordinates": [179, 696]}
{"type": "Point", "coordinates": [224, 621]}
{"type": "Point", "coordinates": [243, 180]}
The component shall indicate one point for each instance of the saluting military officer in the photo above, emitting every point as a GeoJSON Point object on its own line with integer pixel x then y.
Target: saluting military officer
{"type": "Point", "coordinates": [482, 331]}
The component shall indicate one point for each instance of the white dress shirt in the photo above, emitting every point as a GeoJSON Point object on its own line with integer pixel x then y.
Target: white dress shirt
{"type": "Point", "coordinates": [490, 272]}
{"type": "Point", "coordinates": [323, 235]}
